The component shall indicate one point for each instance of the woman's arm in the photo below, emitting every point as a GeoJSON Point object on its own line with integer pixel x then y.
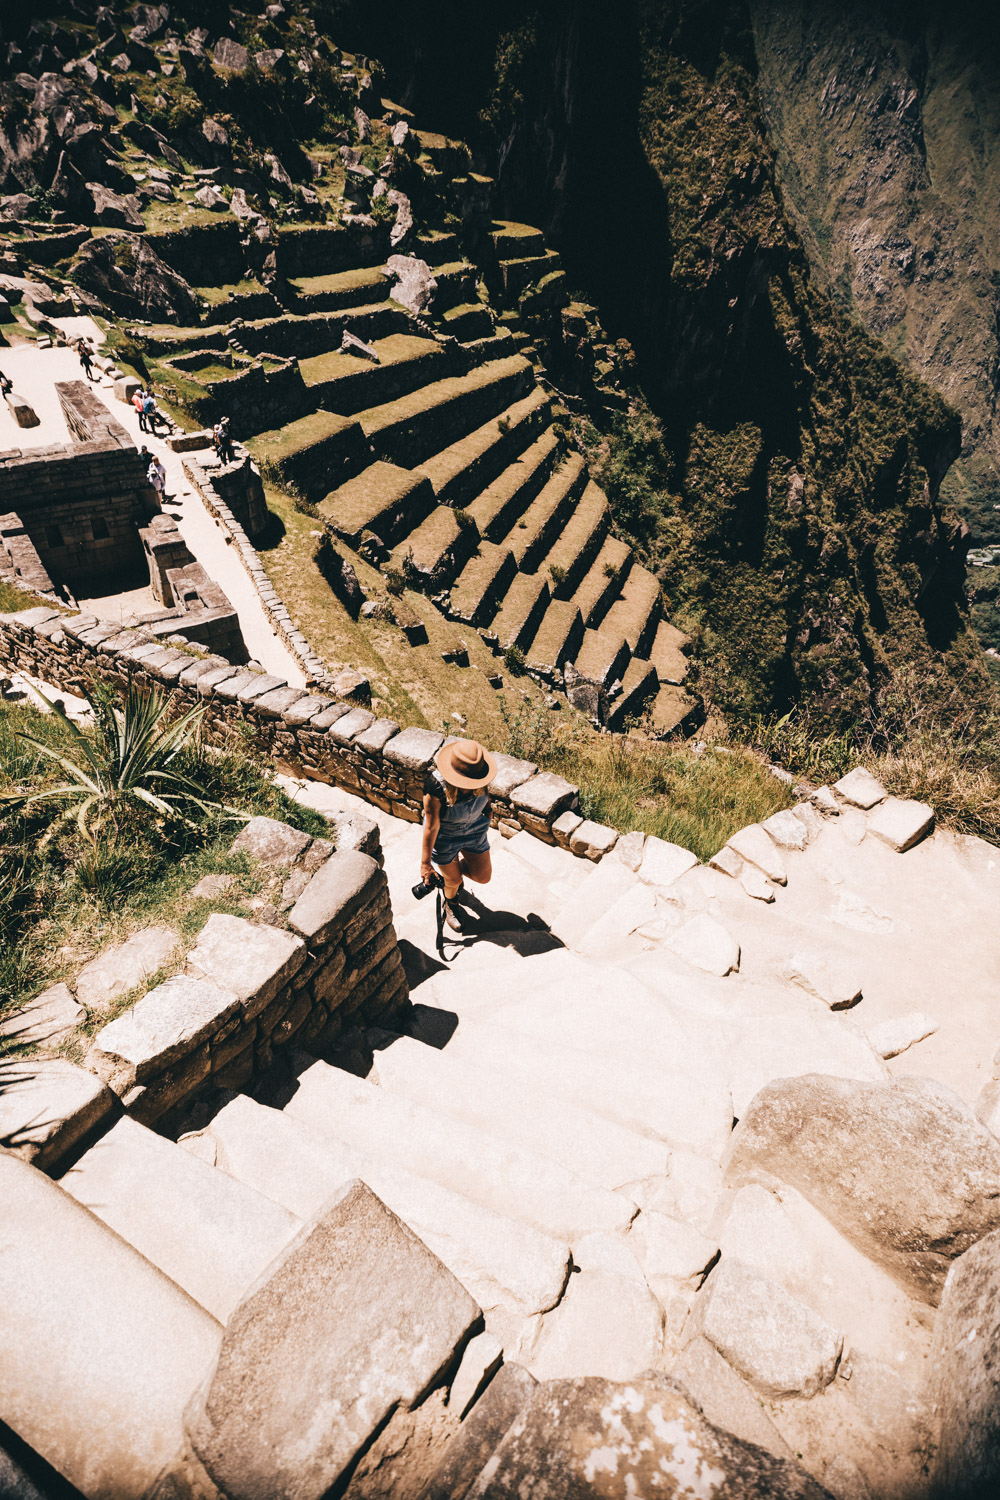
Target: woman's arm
{"type": "Point", "coordinates": [432, 822]}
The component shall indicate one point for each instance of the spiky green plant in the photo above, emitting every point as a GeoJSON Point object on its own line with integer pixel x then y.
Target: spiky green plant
{"type": "Point", "coordinates": [135, 758]}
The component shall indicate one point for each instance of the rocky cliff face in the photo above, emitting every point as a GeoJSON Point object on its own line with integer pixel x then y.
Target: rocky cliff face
{"type": "Point", "coordinates": [885, 121]}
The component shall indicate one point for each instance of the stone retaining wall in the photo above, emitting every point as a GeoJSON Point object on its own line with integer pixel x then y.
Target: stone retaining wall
{"type": "Point", "coordinates": [247, 990]}
{"type": "Point", "coordinates": [323, 736]}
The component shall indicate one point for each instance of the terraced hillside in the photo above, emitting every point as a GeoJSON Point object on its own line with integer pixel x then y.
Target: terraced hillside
{"type": "Point", "coordinates": [429, 446]}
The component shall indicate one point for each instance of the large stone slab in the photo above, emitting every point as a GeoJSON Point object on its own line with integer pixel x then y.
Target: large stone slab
{"type": "Point", "coordinates": [125, 966]}
{"type": "Point", "coordinates": [830, 979]}
{"type": "Point", "coordinates": [725, 1398]}
{"type": "Point", "coordinates": [965, 1361]}
{"type": "Point", "coordinates": [899, 1033]}
{"type": "Point", "coordinates": [787, 831]}
{"type": "Point", "coordinates": [663, 863]}
{"type": "Point", "coordinates": [46, 1021]}
{"type": "Point", "coordinates": [272, 842]}
{"type": "Point", "coordinates": [859, 788]}
{"type": "Point", "coordinates": [413, 749]}
{"type": "Point", "coordinates": [900, 822]}
{"type": "Point", "coordinates": [760, 850]}
{"type": "Point", "coordinates": [334, 894]}
{"type": "Point", "coordinates": [606, 1325]}
{"type": "Point", "coordinates": [705, 944]}
{"type": "Point", "coordinates": [99, 1352]}
{"type": "Point", "coordinates": [903, 1168]}
{"type": "Point", "coordinates": [253, 960]}
{"type": "Point", "coordinates": [580, 1439]}
{"type": "Point", "coordinates": [369, 1320]}
{"type": "Point", "coordinates": [159, 1029]}
{"type": "Point", "coordinates": [209, 1233]}
{"type": "Point", "coordinates": [544, 795]}
{"type": "Point", "coordinates": [47, 1106]}
{"type": "Point", "coordinates": [777, 1343]}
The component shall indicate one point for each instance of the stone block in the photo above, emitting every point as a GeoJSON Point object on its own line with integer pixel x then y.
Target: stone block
{"type": "Point", "coordinates": [592, 840]}
{"type": "Point", "coordinates": [254, 961]}
{"type": "Point", "coordinates": [563, 828]}
{"type": "Point", "coordinates": [544, 795]}
{"type": "Point", "coordinates": [629, 849]}
{"type": "Point", "coordinates": [47, 1106]}
{"type": "Point", "coordinates": [606, 1325]}
{"type": "Point", "coordinates": [413, 749]}
{"type": "Point", "coordinates": [831, 980]}
{"type": "Point", "coordinates": [373, 739]}
{"type": "Point", "coordinates": [44, 1022]}
{"type": "Point", "coordinates": [123, 967]}
{"type": "Point", "coordinates": [759, 850]}
{"type": "Point", "coordinates": [859, 788]}
{"type": "Point", "coordinates": [160, 1029]}
{"type": "Point", "coordinates": [787, 830]}
{"type": "Point", "coordinates": [662, 863]}
{"type": "Point", "coordinates": [369, 1321]}
{"type": "Point", "coordinates": [350, 724]}
{"type": "Point", "coordinates": [322, 721]}
{"type": "Point", "coordinates": [669, 1250]}
{"type": "Point", "coordinates": [705, 944]}
{"type": "Point", "coordinates": [964, 1360]}
{"type": "Point", "coordinates": [898, 1033]}
{"type": "Point", "coordinates": [305, 709]}
{"type": "Point", "coordinates": [756, 884]}
{"type": "Point", "coordinates": [271, 842]}
{"type": "Point", "coordinates": [511, 773]}
{"type": "Point", "coordinates": [345, 883]}
{"type": "Point", "coordinates": [276, 703]}
{"type": "Point", "coordinates": [774, 1341]}
{"type": "Point", "coordinates": [725, 1399]}
{"type": "Point", "coordinates": [99, 1351]}
{"type": "Point", "coordinates": [481, 1433]}
{"type": "Point", "coordinates": [900, 822]}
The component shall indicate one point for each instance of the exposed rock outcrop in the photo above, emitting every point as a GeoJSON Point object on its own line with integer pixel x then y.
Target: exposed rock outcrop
{"type": "Point", "coordinates": [127, 274]}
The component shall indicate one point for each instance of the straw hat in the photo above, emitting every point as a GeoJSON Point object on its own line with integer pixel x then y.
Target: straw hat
{"type": "Point", "coordinates": [465, 763]}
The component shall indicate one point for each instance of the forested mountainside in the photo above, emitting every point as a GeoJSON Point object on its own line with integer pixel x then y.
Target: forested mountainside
{"type": "Point", "coordinates": [776, 466]}
{"type": "Point", "coordinates": [791, 498]}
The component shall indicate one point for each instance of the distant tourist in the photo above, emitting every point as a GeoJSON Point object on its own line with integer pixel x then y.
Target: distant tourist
{"type": "Point", "coordinates": [6, 384]}
{"type": "Point", "coordinates": [86, 360]}
{"type": "Point", "coordinates": [151, 412]}
{"type": "Point", "coordinates": [157, 476]}
{"type": "Point", "coordinates": [138, 401]}
{"type": "Point", "coordinates": [223, 440]}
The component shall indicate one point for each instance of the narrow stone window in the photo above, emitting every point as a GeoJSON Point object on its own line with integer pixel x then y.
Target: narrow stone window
{"type": "Point", "coordinates": [54, 536]}
{"type": "Point", "coordinates": [99, 529]}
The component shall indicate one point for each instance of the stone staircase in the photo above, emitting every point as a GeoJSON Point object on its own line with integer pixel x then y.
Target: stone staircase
{"type": "Point", "coordinates": [438, 450]}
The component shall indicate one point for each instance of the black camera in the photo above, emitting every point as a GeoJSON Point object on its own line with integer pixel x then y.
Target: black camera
{"type": "Point", "coordinates": [427, 886]}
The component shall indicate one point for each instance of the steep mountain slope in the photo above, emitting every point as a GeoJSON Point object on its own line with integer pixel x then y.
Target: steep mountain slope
{"type": "Point", "coordinates": [791, 489]}
{"type": "Point", "coordinates": [885, 121]}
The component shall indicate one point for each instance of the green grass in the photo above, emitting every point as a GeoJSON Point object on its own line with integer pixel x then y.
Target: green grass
{"type": "Point", "coordinates": [13, 599]}
{"type": "Point", "coordinates": [60, 905]}
{"type": "Point", "coordinates": [631, 783]}
{"type": "Point", "coordinates": [213, 295]}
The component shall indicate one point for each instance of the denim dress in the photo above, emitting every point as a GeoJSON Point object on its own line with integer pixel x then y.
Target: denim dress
{"type": "Point", "coordinates": [465, 826]}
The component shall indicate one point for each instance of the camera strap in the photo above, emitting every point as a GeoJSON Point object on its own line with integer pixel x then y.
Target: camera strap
{"type": "Point", "coordinates": [439, 897]}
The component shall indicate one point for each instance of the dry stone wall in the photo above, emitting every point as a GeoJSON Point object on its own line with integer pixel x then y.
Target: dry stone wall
{"type": "Point", "coordinates": [327, 738]}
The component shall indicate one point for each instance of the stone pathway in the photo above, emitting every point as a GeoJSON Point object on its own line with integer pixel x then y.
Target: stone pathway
{"type": "Point", "coordinates": [35, 372]}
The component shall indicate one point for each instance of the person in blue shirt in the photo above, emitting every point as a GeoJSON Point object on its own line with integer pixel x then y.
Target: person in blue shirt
{"type": "Point", "coordinates": [457, 823]}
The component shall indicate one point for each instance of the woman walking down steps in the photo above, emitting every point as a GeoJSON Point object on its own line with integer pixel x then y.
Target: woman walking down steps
{"type": "Point", "coordinates": [457, 823]}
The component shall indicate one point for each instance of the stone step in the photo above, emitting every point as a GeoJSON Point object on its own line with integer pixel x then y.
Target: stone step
{"type": "Point", "coordinates": [522, 610]}
{"type": "Point", "coordinates": [412, 428]}
{"type": "Point", "coordinates": [637, 613]}
{"type": "Point", "coordinates": [557, 638]}
{"type": "Point", "coordinates": [459, 473]}
{"type": "Point", "coordinates": [523, 270]}
{"type": "Point", "coordinates": [482, 583]}
{"type": "Point", "coordinates": [511, 239]}
{"type": "Point", "coordinates": [605, 1154]}
{"type": "Point", "coordinates": [437, 246]}
{"type": "Point", "coordinates": [315, 451]}
{"type": "Point", "coordinates": [552, 291]}
{"type": "Point", "coordinates": [576, 546]}
{"type": "Point", "coordinates": [100, 1353]}
{"type": "Point", "coordinates": [468, 320]}
{"type": "Point", "coordinates": [347, 383]}
{"type": "Point", "coordinates": [603, 656]}
{"type": "Point", "coordinates": [501, 503]}
{"type": "Point", "coordinates": [495, 345]}
{"type": "Point", "coordinates": [383, 498]}
{"type": "Point", "coordinates": [456, 284]}
{"type": "Point", "coordinates": [438, 547]}
{"type": "Point", "coordinates": [364, 286]}
{"type": "Point", "coordinates": [669, 709]}
{"type": "Point", "coordinates": [529, 540]}
{"type": "Point", "coordinates": [497, 1259]}
{"type": "Point", "coordinates": [639, 684]}
{"type": "Point", "coordinates": [209, 1234]}
{"type": "Point", "coordinates": [603, 581]}
{"type": "Point", "coordinates": [668, 1105]}
{"type": "Point", "coordinates": [671, 664]}
{"type": "Point", "coordinates": [473, 1162]}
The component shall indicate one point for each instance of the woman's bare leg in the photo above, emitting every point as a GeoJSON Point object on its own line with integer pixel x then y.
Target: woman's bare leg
{"type": "Point", "coordinates": [451, 873]}
{"type": "Point", "coordinates": [477, 867]}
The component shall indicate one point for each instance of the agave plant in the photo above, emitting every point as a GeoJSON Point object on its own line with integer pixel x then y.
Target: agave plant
{"type": "Point", "coordinates": [134, 756]}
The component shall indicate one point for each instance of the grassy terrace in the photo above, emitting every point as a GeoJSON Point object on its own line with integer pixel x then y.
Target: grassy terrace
{"type": "Point", "coordinates": [64, 900]}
